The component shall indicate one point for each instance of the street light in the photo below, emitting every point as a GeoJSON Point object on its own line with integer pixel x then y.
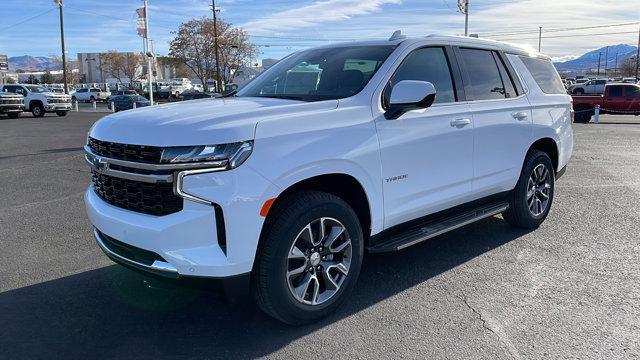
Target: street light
{"type": "Point", "coordinates": [64, 55]}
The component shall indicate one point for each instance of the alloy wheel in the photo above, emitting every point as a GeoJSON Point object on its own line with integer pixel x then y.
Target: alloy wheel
{"type": "Point", "coordinates": [539, 190]}
{"type": "Point", "coordinates": [319, 260]}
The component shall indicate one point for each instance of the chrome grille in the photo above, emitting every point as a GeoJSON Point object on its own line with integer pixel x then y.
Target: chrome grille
{"type": "Point", "coordinates": [127, 152]}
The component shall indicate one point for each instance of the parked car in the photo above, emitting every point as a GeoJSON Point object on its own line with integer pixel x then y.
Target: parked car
{"type": "Point", "coordinates": [121, 92]}
{"type": "Point", "coordinates": [629, 80]}
{"type": "Point", "coordinates": [623, 99]}
{"type": "Point", "coordinates": [39, 100]}
{"type": "Point", "coordinates": [90, 95]}
{"type": "Point", "coordinates": [595, 86]}
{"type": "Point", "coordinates": [11, 104]}
{"type": "Point", "coordinates": [334, 151]}
{"type": "Point", "coordinates": [126, 102]}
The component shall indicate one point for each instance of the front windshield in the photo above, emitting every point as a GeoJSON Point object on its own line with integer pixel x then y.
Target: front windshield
{"type": "Point", "coordinates": [320, 74]}
{"type": "Point", "coordinates": [37, 89]}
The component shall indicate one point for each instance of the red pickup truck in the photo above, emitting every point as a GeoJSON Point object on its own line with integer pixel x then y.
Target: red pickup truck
{"type": "Point", "coordinates": [617, 99]}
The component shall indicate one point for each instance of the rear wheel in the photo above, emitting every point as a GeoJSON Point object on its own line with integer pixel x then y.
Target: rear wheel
{"type": "Point", "coordinates": [530, 201]}
{"type": "Point", "coordinates": [310, 259]}
{"type": "Point", "coordinates": [583, 114]}
{"type": "Point", "coordinates": [14, 115]}
{"type": "Point", "coordinates": [61, 113]}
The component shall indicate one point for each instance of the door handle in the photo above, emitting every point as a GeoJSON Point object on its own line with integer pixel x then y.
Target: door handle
{"type": "Point", "coordinates": [460, 122]}
{"type": "Point", "coordinates": [520, 115]}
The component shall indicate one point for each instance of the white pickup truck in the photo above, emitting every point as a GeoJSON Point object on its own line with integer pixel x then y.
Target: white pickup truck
{"type": "Point", "coordinates": [40, 100]}
{"type": "Point", "coordinates": [371, 146]}
{"type": "Point", "coordinates": [11, 104]}
{"type": "Point", "coordinates": [90, 95]}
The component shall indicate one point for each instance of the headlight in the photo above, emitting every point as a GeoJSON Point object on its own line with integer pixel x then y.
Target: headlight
{"type": "Point", "coordinates": [234, 153]}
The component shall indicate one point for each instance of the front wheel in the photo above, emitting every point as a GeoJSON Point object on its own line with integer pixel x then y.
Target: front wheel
{"type": "Point", "coordinates": [530, 201]}
{"type": "Point", "coordinates": [310, 259]}
{"type": "Point", "coordinates": [38, 111]}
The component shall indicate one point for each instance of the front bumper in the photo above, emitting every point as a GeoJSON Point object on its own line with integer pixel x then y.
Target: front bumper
{"type": "Point", "coordinates": [187, 241]}
{"type": "Point", "coordinates": [5, 109]}
{"type": "Point", "coordinates": [58, 107]}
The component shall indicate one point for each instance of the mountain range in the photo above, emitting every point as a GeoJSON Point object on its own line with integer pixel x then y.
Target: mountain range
{"type": "Point", "coordinates": [589, 60]}
{"type": "Point", "coordinates": [34, 63]}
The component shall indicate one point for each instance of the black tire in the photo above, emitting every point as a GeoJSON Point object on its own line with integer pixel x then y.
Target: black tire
{"type": "Point", "coordinates": [38, 111]}
{"type": "Point", "coordinates": [583, 115]}
{"type": "Point", "coordinates": [519, 213]}
{"type": "Point", "coordinates": [13, 115]}
{"type": "Point", "coordinates": [270, 286]}
{"type": "Point", "coordinates": [74, 99]}
{"type": "Point", "coordinates": [578, 92]}
{"type": "Point", "coordinates": [61, 113]}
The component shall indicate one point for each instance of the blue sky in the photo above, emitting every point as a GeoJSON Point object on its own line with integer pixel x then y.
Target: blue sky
{"type": "Point", "coordinates": [283, 26]}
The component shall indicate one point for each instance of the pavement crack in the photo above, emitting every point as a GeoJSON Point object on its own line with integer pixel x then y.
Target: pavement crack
{"type": "Point", "coordinates": [494, 329]}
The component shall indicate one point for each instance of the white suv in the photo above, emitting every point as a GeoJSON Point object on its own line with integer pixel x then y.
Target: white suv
{"type": "Point", "coordinates": [40, 100]}
{"type": "Point", "coordinates": [334, 151]}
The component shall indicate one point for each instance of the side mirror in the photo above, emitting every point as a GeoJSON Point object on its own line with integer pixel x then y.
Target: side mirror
{"type": "Point", "coordinates": [410, 95]}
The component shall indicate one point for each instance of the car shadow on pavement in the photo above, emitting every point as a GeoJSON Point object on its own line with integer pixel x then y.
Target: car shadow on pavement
{"type": "Point", "coordinates": [113, 312]}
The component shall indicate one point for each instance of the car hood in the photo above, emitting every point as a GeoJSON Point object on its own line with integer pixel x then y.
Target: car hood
{"type": "Point", "coordinates": [199, 122]}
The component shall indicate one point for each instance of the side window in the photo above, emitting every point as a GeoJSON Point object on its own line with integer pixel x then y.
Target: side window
{"type": "Point", "coordinates": [601, 82]}
{"type": "Point", "coordinates": [507, 80]}
{"type": "Point", "coordinates": [82, 91]}
{"type": "Point", "coordinates": [484, 79]}
{"type": "Point", "coordinates": [633, 91]}
{"type": "Point", "coordinates": [545, 75]}
{"type": "Point", "coordinates": [615, 91]}
{"type": "Point", "coordinates": [426, 64]}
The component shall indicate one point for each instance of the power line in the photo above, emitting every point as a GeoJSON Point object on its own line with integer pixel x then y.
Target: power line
{"type": "Point", "coordinates": [568, 36]}
{"type": "Point", "coordinates": [548, 30]}
{"type": "Point", "coordinates": [28, 19]}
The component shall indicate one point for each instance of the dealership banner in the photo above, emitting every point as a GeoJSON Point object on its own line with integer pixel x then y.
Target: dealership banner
{"type": "Point", "coordinates": [142, 22]}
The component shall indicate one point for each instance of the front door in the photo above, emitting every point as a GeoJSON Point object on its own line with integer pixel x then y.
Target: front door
{"type": "Point", "coordinates": [426, 154]}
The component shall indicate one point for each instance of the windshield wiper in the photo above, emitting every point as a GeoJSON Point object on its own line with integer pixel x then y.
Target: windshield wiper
{"type": "Point", "coordinates": [285, 97]}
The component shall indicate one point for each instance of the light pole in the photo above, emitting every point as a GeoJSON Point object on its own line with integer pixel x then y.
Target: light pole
{"type": "Point", "coordinates": [463, 6]}
{"type": "Point", "coordinates": [599, 57]}
{"type": "Point", "coordinates": [64, 55]}
{"type": "Point", "coordinates": [149, 54]}
{"type": "Point", "coordinates": [215, 45]}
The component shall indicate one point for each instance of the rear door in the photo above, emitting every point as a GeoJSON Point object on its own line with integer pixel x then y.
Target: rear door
{"type": "Point", "coordinates": [501, 117]}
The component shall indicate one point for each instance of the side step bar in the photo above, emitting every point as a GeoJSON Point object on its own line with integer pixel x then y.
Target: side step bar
{"type": "Point", "coordinates": [429, 229]}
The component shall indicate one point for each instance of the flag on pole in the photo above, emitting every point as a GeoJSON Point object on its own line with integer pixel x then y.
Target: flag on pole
{"type": "Point", "coordinates": [142, 22]}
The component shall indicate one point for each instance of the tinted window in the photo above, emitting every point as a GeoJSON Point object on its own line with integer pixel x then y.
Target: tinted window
{"type": "Point", "coordinates": [427, 64]}
{"type": "Point", "coordinates": [615, 91]}
{"type": "Point", "coordinates": [633, 91]}
{"type": "Point", "coordinates": [545, 75]}
{"type": "Point", "coordinates": [507, 80]}
{"type": "Point", "coordinates": [601, 82]}
{"type": "Point", "coordinates": [484, 80]}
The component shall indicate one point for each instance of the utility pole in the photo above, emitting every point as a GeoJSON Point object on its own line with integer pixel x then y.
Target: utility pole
{"type": "Point", "coordinates": [64, 55]}
{"type": "Point", "coordinates": [149, 55]}
{"type": "Point", "coordinates": [463, 6]}
{"type": "Point", "coordinates": [215, 45]}
{"type": "Point", "coordinates": [599, 56]}
{"type": "Point", "coordinates": [638, 56]}
{"type": "Point", "coordinates": [540, 40]}
{"type": "Point", "coordinates": [606, 60]}
{"type": "Point", "coordinates": [615, 69]}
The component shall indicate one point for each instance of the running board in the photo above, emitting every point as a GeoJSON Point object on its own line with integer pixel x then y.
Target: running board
{"type": "Point", "coordinates": [429, 229]}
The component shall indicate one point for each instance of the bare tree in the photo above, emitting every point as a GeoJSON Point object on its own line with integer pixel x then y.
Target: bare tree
{"type": "Point", "coordinates": [628, 67]}
{"type": "Point", "coordinates": [121, 65]}
{"type": "Point", "coordinates": [194, 46]}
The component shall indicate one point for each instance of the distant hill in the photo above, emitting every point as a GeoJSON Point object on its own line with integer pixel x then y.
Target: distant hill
{"type": "Point", "coordinates": [590, 60]}
{"type": "Point", "coordinates": [34, 63]}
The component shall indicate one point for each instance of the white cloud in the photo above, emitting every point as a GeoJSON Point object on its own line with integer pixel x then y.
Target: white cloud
{"type": "Point", "coordinates": [313, 14]}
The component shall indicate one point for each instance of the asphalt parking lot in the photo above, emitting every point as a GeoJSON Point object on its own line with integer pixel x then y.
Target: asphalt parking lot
{"type": "Point", "coordinates": [570, 289]}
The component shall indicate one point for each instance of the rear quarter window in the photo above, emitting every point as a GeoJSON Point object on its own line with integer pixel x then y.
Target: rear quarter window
{"type": "Point", "coordinates": [545, 75]}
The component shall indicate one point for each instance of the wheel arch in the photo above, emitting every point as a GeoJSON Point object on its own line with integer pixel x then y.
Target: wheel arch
{"type": "Point", "coordinates": [33, 103]}
{"type": "Point", "coordinates": [550, 147]}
